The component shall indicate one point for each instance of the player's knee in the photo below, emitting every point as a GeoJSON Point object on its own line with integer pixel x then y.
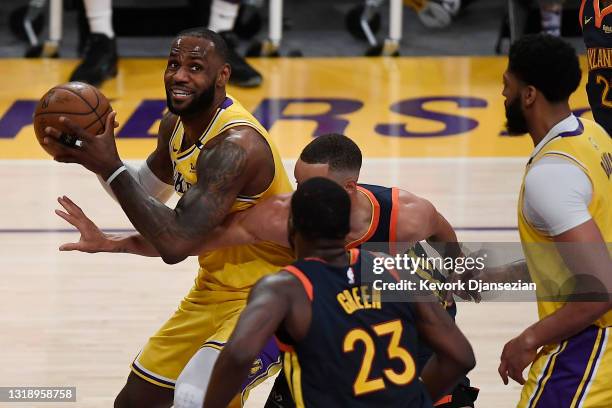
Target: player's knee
{"type": "Point", "coordinates": [187, 395]}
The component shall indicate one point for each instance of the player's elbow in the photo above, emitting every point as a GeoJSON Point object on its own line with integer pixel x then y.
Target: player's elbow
{"type": "Point", "coordinates": [463, 358]}
{"type": "Point", "coordinates": [172, 256]}
{"type": "Point", "coordinates": [173, 249]}
{"type": "Point", "coordinates": [468, 360]}
{"type": "Point", "coordinates": [172, 260]}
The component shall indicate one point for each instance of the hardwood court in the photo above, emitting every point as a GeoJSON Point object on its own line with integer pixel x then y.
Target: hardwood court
{"type": "Point", "coordinates": [72, 319]}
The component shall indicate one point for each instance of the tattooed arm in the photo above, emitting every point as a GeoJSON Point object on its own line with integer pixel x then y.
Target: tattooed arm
{"type": "Point", "coordinates": [240, 228]}
{"type": "Point", "coordinates": [223, 172]}
{"type": "Point", "coordinates": [237, 162]}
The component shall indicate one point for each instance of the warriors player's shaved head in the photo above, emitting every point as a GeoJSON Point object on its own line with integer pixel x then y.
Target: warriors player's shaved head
{"type": "Point", "coordinates": [333, 156]}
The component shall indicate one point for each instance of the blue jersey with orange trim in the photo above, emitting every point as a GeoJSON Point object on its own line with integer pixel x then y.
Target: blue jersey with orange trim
{"type": "Point", "coordinates": [596, 23]}
{"type": "Point", "coordinates": [358, 350]}
{"type": "Point", "coordinates": [385, 204]}
{"type": "Point", "coordinates": [383, 228]}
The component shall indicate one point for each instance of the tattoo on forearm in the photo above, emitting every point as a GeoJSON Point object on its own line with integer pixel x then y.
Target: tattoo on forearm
{"type": "Point", "coordinates": [199, 211]}
{"type": "Point", "coordinates": [215, 191]}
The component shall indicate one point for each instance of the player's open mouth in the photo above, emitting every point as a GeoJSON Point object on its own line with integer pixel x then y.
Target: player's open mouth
{"type": "Point", "coordinates": [181, 94]}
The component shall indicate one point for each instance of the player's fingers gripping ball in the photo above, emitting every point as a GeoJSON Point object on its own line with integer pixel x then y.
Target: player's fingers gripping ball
{"type": "Point", "coordinates": [82, 103]}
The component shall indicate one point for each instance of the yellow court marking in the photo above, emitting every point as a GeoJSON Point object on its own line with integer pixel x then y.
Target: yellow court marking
{"type": "Point", "coordinates": [392, 107]}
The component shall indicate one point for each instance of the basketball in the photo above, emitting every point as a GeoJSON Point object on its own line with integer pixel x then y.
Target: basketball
{"type": "Point", "coordinates": [82, 103]}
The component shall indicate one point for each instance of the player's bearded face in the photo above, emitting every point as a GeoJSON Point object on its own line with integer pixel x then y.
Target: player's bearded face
{"type": "Point", "coordinates": [516, 122]}
{"type": "Point", "coordinates": [190, 76]}
{"type": "Point", "coordinates": [200, 102]}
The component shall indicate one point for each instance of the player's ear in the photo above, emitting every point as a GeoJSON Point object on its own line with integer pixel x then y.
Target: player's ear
{"type": "Point", "coordinates": [529, 95]}
{"type": "Point", "coordinates": [224, 75]}
{"type": "Point", "coordinates": [350, 186]}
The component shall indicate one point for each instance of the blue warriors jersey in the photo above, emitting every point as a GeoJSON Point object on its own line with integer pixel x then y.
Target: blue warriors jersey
{"type": "Point", "coordinates": [596, 23]}
{"type": "Point", "coordinates": [358, 351]}
{"type": "Point", "coordinates": [385, 202]}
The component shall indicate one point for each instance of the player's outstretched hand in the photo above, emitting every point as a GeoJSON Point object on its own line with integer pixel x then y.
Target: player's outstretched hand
{"type": "Point", "coordinates": [474, 272]}
{"type": "Point", "coordinates": [465, 294]}
{"type": "Point", "coordinates": [92, 239]}
{"type": "Point", "coordinates": [97, 153]}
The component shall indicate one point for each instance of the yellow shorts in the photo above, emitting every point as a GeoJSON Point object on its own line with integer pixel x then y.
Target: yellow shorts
{"type": "Point", "coordinates": [576, 373]}
{"type": "Point", "coordinates": [193, 326]}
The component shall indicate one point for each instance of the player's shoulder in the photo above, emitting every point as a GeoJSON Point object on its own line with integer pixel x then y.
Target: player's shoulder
{"type": "Point", "coordinates": [244, 136]}
{"type": "Point", "coordinates": [404, 197]}
{"type": "Point", "coordinates": [591, 127]}
{"type": "Point", "coordinates": [376, 189]}
{"type": "Point", "coordinates": [281, 282]}
{"type": "Point", "coordinates": [551, 172]}
{"type": "Point", "coordinates": [412, 202]}
{"type": "Point", "coordinates": [553, 182]}
{"type": "Point", "coordinates": [415, 217]}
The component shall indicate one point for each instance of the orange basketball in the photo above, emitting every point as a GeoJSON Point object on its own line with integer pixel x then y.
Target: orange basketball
{"type": "Point", "coordinates": [82, 103]}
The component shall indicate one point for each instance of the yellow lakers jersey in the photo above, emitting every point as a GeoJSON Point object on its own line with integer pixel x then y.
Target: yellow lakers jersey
{"type": "Point", "coordinates": [233, 269]}
{"type": "Point", "coordinates": [592, 152]}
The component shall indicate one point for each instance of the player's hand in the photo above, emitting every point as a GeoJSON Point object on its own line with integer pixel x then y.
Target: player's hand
{"type": "Point", "coordinates": [97, 153]}
{"type": "Point", "coordinates": [465, 294]}
{"type": "Point", "coordinates": [473, 273]}
{"type": "Point", "coordinates": [92, 239]}
{"type": "Point", "coordinates": [516, 356]}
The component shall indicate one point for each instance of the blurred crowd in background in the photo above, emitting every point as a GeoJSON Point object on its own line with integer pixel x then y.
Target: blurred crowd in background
{"type": "Point", "coordinates": [240, 20]}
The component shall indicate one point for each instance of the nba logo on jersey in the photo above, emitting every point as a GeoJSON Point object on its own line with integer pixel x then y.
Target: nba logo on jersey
{"type": "Point", "coordinates": [351, 276]}
{"type": "Point", "coordinates": [257, 366]}
{"type": "Point", "coordinates": [180, 184]}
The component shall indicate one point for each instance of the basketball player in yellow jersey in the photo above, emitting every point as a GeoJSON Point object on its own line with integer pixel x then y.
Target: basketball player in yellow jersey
{"type": "Point", "coordinates": [565, 221]}
{"type": "Point", "coordinates": [221, 160]}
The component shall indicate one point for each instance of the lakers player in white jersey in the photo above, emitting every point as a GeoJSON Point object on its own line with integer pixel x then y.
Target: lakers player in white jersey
{"type": "Point", "coordinates": [565, 222]}
{"type": "Point", "coordinates": [221, 160]}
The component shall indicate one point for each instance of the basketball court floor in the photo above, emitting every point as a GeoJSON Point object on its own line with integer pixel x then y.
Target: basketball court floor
{"type": "Point", "coordinates": [432, 126]}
